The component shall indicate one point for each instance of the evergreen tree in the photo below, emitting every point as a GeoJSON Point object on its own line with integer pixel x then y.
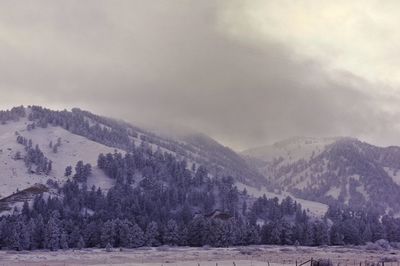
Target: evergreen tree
{"type": "Point", "coordinates": [108, 234]}
{"type": "Point", "coordinates": [171, 234]}
{"type": "Point", "coordinates": [14, 239]}
{"type": "Point", "coordinates": [137, 236]}
{"type": "Point", "coordinates": [81, 243]}
{"type": "Point", "coordinates": [64, 241]}
{"type": "Point", "coordinates": [52, 232]}
{"type": "Point", "coordinates": [152, 235]}
{"type": "Point", "coordinates": [68, 171]}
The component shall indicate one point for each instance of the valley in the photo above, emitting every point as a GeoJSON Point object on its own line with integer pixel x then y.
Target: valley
{"type": "Point", "coordinates": [184, 256]}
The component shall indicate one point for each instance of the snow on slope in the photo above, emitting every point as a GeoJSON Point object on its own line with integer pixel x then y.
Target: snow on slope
{"type": "Point", "coordinates": [393, 173]}
{"type": "Point", "coordinates": [14, 174]}
{"type": "Point", "coordinates": [292, 149]}
{"type": "Point", "coordinates": [313, 208]}
{"type": "Point", "coordinates": [329, 169]}
{"type": "Point", "coordinates": [73, 148]}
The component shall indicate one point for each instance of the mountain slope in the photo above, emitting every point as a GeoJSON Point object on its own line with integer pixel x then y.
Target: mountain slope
{"type": "Point", "coordinates": [83, 136]}
{"type": "Point", "coordinates": [194, 148]}
{"type": "Point", "coordinates": [332, 170]}
{"type": "Point", "coordinates": [14, 174]}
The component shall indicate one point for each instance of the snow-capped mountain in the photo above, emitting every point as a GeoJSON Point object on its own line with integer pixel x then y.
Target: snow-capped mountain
{"type": "Point", "coordinates": [342, 170]}
{"type": "Point", "coordinates": [66, 137]}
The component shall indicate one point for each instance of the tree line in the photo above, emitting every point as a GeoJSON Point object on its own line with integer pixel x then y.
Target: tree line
{"type": "Point", "coordinates": [159, 200]}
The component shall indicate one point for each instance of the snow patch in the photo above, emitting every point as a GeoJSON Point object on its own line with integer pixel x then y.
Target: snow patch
{"type": "Point", "coordinates": [393, 173]}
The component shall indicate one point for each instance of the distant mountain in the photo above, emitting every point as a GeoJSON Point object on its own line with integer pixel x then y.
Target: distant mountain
{"type": "Point", "coordinates": [332, 170]}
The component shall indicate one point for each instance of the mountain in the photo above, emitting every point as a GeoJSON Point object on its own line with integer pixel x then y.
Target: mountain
{"type": "Point", "coordinates": [83, 136]}
{"type": "Point", "coordinates": [73, 179]}
{"type": "Point", "coordinates": [332, 170]}
{"type": "Point", "coordinates": [66, 137]}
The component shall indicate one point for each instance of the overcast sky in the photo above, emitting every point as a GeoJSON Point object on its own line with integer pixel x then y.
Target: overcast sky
{"type": "Point", "coordinates": [247, 73]}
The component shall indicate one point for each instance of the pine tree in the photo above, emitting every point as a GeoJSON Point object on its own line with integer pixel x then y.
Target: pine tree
{"type": "Point", "coordinates": [74, 237]}
{"type": "Point", "coordinates": [14, 239]}
{"type": "Point", "coordinates": [321, 235]}
{"type": "Point", "coordinates": [137, 236]}
{"type": "Point", "coordinates": [79, 170]}
{"type": "Point", "coordinates": [52, 233]}
{"type": "Point", "coordinates": [26, 235]}
{"type": "Point", "coordinates": [336, 236]}
{"type": "Point", "coordinates": [108, 234]}
{"type": "Point", "coordinates": [196, 230]}
{"type": "Point", "coordinates": [152, 235]}
{"type": "Point", "coordinates": [64, 241]}
{"type": "Point", "coordinates": [108, 247]}
{"type": "Point", "coordinates": [38, 234]}
{"type": "Point", "coordinates": [25, 209]}
{"type": "Point", "coordinates": [68, 171]}
{"type": "Point", "coordinates": [171, 235]}
{"type": "Point", "coordinates": [81, 243]}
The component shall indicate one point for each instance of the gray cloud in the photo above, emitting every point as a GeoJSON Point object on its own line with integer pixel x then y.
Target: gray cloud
{"type": "Point", "coordinates": [173, 62]}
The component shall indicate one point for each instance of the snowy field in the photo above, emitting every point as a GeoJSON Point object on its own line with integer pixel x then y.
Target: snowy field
{"type": "Point", "coordinates": [165, 256]}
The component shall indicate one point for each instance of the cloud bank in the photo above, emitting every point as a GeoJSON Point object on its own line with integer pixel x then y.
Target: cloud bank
{"type": "Point", "coordinates": [245, 72]}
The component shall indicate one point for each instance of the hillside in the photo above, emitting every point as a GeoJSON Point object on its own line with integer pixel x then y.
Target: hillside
{"type": "Point", "coordinates": [88, 136]}
{"type": "Point", "coordinates": [193, 147]}
{"type": "Point", "coordinates": [83, 136]}
{"type": "Point", "coordinates": [332, 170]}
{"type": "Point", "coordinates": [149, 190]}
{"type": "Point", "coordinates": [73, 148]}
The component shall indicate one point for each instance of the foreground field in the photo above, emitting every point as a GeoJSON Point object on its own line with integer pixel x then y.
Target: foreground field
{"type": "Point", "coordinates": [167, 256]}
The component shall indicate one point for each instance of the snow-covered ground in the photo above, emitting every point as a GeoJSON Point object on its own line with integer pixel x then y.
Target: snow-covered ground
{"type": "Point", "coordinates": [14, 174]}
{"type": "Point", "coordinates": [239, 256]}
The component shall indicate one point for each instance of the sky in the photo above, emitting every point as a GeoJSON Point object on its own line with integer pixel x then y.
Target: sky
{"type": "Point", "coordinates": [245, 72]}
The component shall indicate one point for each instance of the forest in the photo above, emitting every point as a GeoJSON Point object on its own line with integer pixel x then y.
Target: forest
{"type": "Point", "coordinates": [158, 200]}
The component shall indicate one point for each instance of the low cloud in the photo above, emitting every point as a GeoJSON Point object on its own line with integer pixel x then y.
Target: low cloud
{"type": "Point", "coordinates": [181, 63]}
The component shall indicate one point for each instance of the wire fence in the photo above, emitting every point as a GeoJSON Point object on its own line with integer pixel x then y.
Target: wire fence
{"type": "Point", "coordinates": [251, 262]}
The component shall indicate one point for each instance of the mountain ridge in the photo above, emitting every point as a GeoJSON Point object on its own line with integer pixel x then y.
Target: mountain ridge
{"type": "Point", "coordinates": [341, 170]}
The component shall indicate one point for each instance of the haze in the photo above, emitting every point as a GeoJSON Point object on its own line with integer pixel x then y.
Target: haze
{"type": "Point", "coordinates": [244, 72]}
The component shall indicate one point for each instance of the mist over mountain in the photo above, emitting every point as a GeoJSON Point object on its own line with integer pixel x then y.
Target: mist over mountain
{"type": "Point", "coordinates": [74, 179]}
